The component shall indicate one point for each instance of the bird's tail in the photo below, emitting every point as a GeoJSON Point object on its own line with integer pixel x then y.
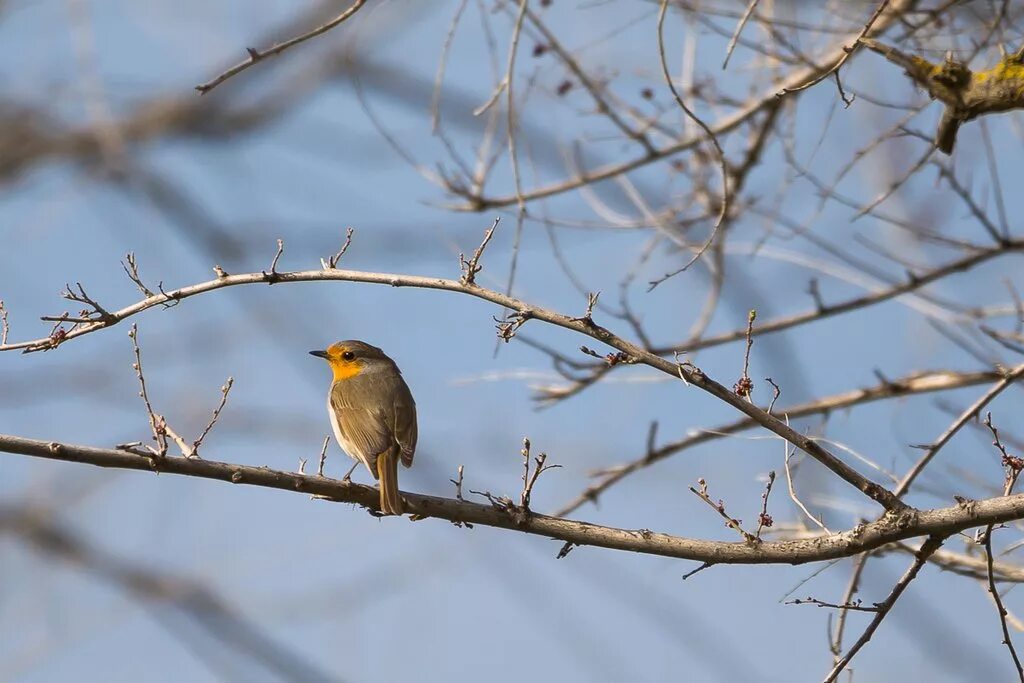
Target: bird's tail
{"type": "Point", "coordinates": [387, 472]}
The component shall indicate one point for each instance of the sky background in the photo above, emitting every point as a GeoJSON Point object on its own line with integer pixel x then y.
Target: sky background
{"type": "Point", "coordinates": [356, 598]}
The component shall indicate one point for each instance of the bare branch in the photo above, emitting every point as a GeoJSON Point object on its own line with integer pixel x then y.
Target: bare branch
{"type": "Point", "coordinates": [323, 457]}
{"type": "Point", "coordinates": [216, 414]}
{"type": "Point", "coordinates": [258, 55]}
{"type": "Point", "coordinates": [332, 262]}
{"type": "Point", "coordinates": [764, 519]}
{"type": "Point", "coordinates": [930, 546]}
{"type": "Point", "coordinates": [131, 269]}
{"type": "Point", "coordinates": [719, 507]}
{"type": "Point", "coordinates": [471, 267]}
{"type": "Point", "coordinates": [888, 529]}
{"type": "Point", "coordinates": [156, 422]}
{"type": "Point", "coordinates": [1000, 609]}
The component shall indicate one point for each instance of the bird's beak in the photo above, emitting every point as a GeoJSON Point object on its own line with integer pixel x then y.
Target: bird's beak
{"type": "Point", "coordinates": [318, 354]}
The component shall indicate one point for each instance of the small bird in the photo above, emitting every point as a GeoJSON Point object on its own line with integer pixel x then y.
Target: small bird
{"type": "Point", "coordinates": [372, 413]}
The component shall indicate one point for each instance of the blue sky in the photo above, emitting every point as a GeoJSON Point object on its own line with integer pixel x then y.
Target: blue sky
{"type": "Point", "coordinates": [362, 599]}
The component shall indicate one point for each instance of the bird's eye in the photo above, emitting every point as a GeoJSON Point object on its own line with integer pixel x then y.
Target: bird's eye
{"type": "Point", "coordinates": [348, 355]}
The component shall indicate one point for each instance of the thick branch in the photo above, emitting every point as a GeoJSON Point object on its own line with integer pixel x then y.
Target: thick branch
{"type": "Point", "coordinates": [890, 528]}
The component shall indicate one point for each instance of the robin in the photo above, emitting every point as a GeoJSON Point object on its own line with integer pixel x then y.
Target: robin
{"type": "Point", "coordinates": [372, 413]}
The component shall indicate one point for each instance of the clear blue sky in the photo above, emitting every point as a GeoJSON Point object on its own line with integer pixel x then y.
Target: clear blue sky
{"type": "Point", "coordinates": [363, 599]}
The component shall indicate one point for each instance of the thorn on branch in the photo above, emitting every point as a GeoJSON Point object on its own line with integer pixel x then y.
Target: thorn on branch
{"type": "Point", "coordinates": [471, 267]}
{"type": "Point", "coordinates": [332, 262]}
{"type": "Point", "coordinates": [221, 273]}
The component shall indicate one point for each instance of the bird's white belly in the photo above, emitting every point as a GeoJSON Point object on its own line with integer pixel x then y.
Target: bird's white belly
{"type": "Point", "coordinates": [350, 451]}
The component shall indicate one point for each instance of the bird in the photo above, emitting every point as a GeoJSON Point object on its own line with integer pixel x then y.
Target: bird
{"type": "Point", "coordinates": [372, 413]}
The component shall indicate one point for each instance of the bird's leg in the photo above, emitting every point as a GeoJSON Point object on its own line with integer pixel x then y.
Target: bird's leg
{"type": "Point", "coordinates": [348, 475]}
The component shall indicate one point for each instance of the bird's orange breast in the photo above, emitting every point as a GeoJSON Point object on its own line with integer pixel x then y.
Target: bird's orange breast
{"type": "Point", "coordinates": [343, 371]}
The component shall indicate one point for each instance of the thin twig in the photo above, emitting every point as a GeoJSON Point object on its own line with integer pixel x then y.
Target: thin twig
{"type": "Point", "coordinates": [792, 491]}
{"type": "Point", "coordinates": [332, 261]}
{"type": "Point", "coordinates": [471, 267]}
{"type": "Point", "coordinates": [323, 457]}
{"type": "Point", "coordinates": [926, 551]}
{"type": "Point", "coordinates": [736, 34]}
{"type": "Point", "coordinates": [852, 606]}
{"type": "Point", "coordinates": [156, 422]}
{"type": "Point", "coordinates": [723, 209]}
{"type": "Point", "coordinates": [216, 414]}
{"type": "Point", "coordinates": [257, 55]}
{"type": "Point", "coordinates": [842, 60]}
{"type": "Point", "coordinates": [744, 386]}
{"type": "Point", "coordinates": [966, 416]}
{"type": "Point", "coordinates": [719, 507]}
{"type": "Point", "coordinates": [4, 326]}
{"type": "Point", "coordinates": [1000, 609]}
{"type": "Point", "coordinates": [131, 269]}
{"type": "Point", "coordinates": [764, 519]}
{"type": "Point", "coordinates": [458, 483]}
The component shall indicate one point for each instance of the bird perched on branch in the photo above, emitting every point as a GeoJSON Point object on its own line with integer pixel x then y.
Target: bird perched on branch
{"type": "Point", "coordinates": [372, 413]}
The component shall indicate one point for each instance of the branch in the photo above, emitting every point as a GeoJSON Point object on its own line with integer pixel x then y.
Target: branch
{"type": "Point", "coordinates": [819, 312]}
{"type": "Point", "coordinates": [752, 108]}
{"type": "Point", "coordinates": [257, 55]}
{"type": "Point", "coordinates": [965, 94]}
{"type": "Point", "coordinates": [891, 527]}
{"type": "Point", "coordinates": [918, 383]}
{"type": "Point", "coordinates": [211, 616]}
{"type": "Point", "coordinates": [520, 312]}
{"type": "Point", "coordinates": [926, 551]}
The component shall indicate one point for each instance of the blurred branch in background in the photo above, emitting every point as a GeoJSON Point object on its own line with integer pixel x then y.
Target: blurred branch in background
{"type": "Point", "coordinates": [756, 141]}
{"type": "Point", "coordinates": [222, 627]}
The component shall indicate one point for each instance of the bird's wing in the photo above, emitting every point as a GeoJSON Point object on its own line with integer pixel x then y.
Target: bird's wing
{"type": "Point", "coordinates": [365, 433]}
{"type": "Point", "coordinates": [406, 431]}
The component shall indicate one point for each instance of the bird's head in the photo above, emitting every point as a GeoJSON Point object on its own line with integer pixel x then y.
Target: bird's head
{"type": "Point", "coordinates": [351, 357]}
